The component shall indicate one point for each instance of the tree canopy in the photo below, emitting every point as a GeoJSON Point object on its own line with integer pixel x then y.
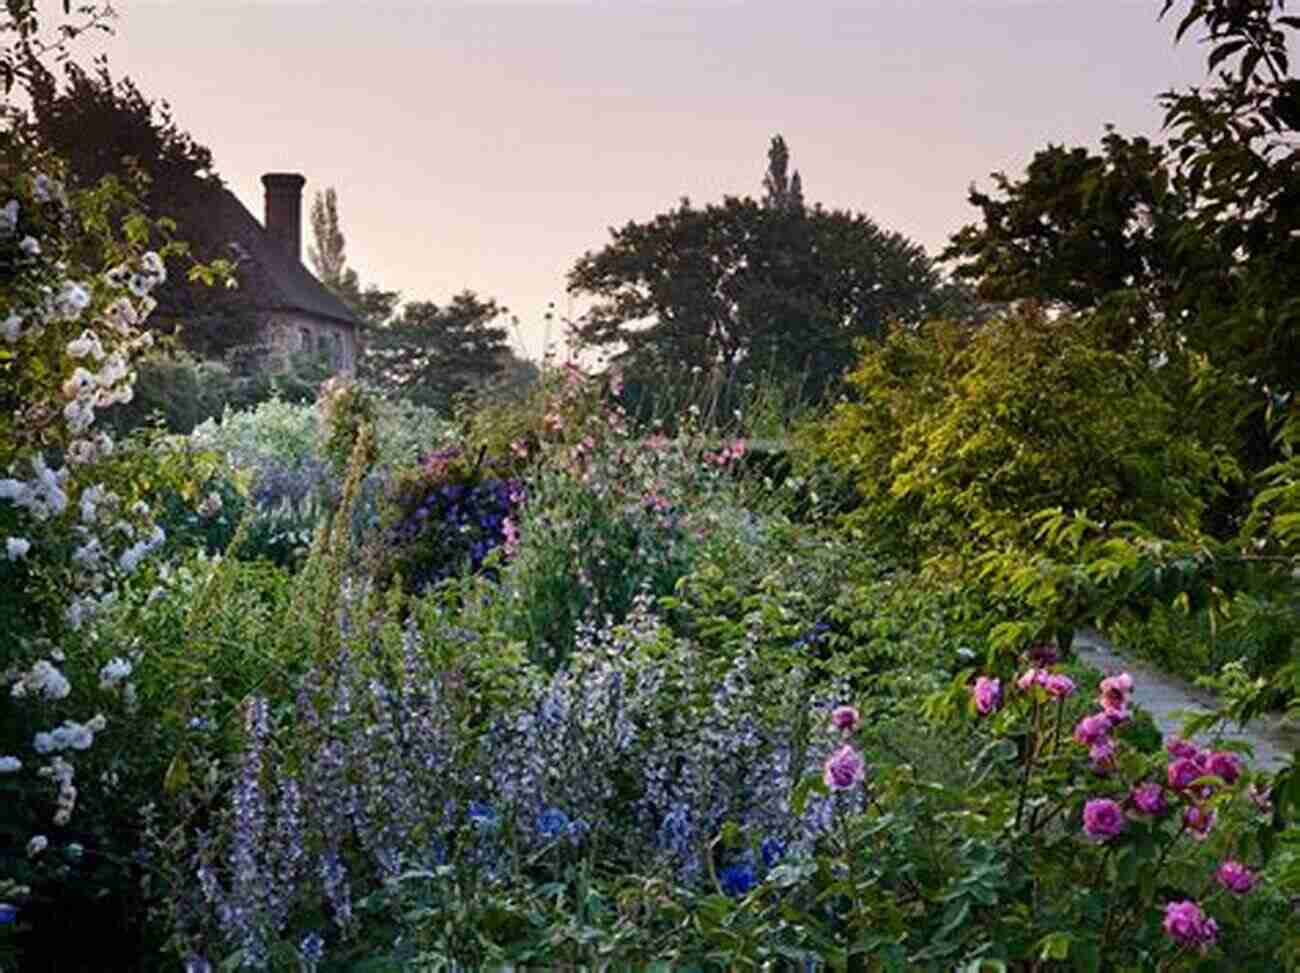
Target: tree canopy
{"type": "Point", "coordinates": [743, 286]}
{"type": "Point", "coordinates": [428, 353]}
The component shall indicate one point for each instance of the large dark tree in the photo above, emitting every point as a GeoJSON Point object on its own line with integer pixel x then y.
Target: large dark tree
{"type": "Point", "coordinates": [103, 127]}
{"type": "Point", "coordinates": [1198, 237]}
{"type": "Point", "coordinates": [742, 287]}
{"type": "Point", "coordinates": [429, 354]}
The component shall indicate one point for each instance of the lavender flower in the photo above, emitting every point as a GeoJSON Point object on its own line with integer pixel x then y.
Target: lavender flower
{"type": "Point", "coordinates": [844, 769]}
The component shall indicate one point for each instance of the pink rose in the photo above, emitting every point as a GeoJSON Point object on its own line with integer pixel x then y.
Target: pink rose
{"type": "Point", "coordinates": [845, 718]}
{"type": "Point", "coordinates": [1235, 877]}
{"type": "Point", "coordinates": [1102, 819]}
{"type": "Point", "coordinates": [1182, 772]}
{"type": "Point", "coordinates": [1091, 730]}
{"type": "Point", "coordinates": [1187, 925]}
{"type": "Point", "coordinates": [1148, 798]}
{"type": "Point", "coordinates": [1224, 765]}
{"type": "Point", "coordinates": [1199, 821]}
{"type": "Point", "coordinates": [1058, 685]}
{"type": "Point", "coordinates": [988, 695]}
{"type": "Point", "coordinates": [1115, 690]}
{"type": "Point", "coordinates": [843, 769]}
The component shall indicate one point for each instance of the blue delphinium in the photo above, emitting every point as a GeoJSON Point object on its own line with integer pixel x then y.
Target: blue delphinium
{"type": "Point", "coordinates": [8, 913]}
{"type": "Point", "coordinates": [771, 850]}
{"type": "Point", "coordinates": [482, 815]}
{"type": "Point", "coordinates": [312, 950]}
{"type": "Point", "coordinates": [737, 879]}
{"type": "Point", "coordinates": [552, 823]}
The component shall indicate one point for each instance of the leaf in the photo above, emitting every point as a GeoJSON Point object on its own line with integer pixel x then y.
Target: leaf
{"type": "Point", "coordinates": [1086, 955]}
{"type": "Point", "coordinates": [1224, 51]}
{"type": "Point", "coordinates": [177, 776]}
{"type": "Point", "coordinates": [1055, 945]}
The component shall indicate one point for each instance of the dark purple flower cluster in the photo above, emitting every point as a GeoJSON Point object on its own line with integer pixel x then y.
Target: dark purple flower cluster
{"type": "Point", "coordinates": [451, 528]}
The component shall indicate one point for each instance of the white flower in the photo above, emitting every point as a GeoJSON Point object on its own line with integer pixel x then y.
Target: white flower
{"type": "Point", "coordinates": [42, 678]}
{"type": "Point", "coordinates": [114, 671]}
{"type": "Point", "coordinates": [17, 547]}
{"type": "Point", "coordinates": [46, 189]}
{"type": "Point", "coordinates": [10, 765]}
{"type": "Point", "coordinates": [153, 266]}
{"type": "Point", "coordinates": [87, 344]}
{"type": "Point", "coordinates": [73, 299]}
{"type": "Point", "coordinates": [30, 247]}
{"type": "Point", "coordinates": [37, 845]}
{"type": "Point", "coordinates": [12, 328]}
{"type": "Point", "coordinates": [78, 382]}
{"type": "Point", "coordinates": [8, 217]}
{"type": "Point", "coordinates": [97, 724]}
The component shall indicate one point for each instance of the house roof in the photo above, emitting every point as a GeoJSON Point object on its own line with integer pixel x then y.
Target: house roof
{"type": "Point", "coordinates": [268, 278]}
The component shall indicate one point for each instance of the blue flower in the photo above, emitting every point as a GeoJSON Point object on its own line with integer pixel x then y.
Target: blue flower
{"type": "Point", "coordinates": [482, 815]}
{"type": "Point", "coordinates": [772, 850]}
{"type": "Point", "coordinates": [312, 949]}
{"type": "Point", "coordinates": [737, 879]}
{"type": "Point", "coordinates": [8, 913]}
{"type": "Point", "coordinates": [552, 823]}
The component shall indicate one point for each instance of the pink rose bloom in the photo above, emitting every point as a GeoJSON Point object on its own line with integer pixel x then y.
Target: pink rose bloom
{"type": "Point", "coordinates": [1091, 730]}
{"type": "Point", "coordinates": [1029, 679]}
{"type": "Point", "coordinates": [1235, 877]}
{"type": "Point", "coordinates": [1102, 819]}
{"type": "Point", "coordinates": [843, 769]}
{"type": "Point", "coordinates": [1102, 755]}
{"type": "Point", "coordinates": [988, 695]}
{"type": "Point", "coordinates": [1187, 925]}
{"type": "Point", "coordinates": [1224, 765]}
{"type": "Point", "coordinates": [1148, 798]}
{"type": "Point", "coordinates": [1182, 772]}
{"type": "Point", "coordinates": [1199, 821]}
{"type": "Point", "coordinates": [1058, 685]}
{"type": "Point", "coordinates": [846, 718]}
{"type": "Point", "coordinates": [1183, 749]}
{"type": "Point", "coordinates": [1115, 690]}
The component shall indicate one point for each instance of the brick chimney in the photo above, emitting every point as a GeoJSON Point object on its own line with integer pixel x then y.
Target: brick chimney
{"type": "Point", "coordinates": [284, 210]}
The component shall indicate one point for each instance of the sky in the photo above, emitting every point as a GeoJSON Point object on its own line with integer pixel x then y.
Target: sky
{"type": "Point", "coordinates": [487, 145]}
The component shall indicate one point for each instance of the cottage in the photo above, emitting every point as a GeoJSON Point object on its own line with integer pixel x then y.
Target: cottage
{"type": "Point", "coordinates": [294, 311]}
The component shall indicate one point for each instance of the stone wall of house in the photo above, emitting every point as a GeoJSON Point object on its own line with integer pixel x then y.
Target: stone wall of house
{"type": "Point", "coordinates": [291, 332]}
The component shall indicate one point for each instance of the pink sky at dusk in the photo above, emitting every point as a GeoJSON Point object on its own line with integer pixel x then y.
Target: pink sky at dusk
{"type": "Point", "coordinates": [488, 145]}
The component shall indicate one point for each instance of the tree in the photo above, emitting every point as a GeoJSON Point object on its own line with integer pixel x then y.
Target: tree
{"type": "Point", "coordinates": [109, 129]}
{"type": "Point", "coordinates": [1200, 235]}
{"type": "Point", "coordinates": [744, 288]}
{"type": "Point", "coordinates": [779, 190]}
{"type": "Point", "coordinates": [372, 304]}
{"type": "Point", "coordinates": [429, 354]}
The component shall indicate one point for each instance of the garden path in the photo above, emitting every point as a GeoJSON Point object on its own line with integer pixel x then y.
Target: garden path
{"type": "Point", "coordinates": [1162, 695]}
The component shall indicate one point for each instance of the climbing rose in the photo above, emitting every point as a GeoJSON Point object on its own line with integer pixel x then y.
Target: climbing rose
{"type": "Point", "coordinates": [1178, 747]}
{"type": "Point", "coordinates": [988, 695]}
{"type": "Point", "coordinates": [1149, 799]}
{"type": "Point", "coordinates": [1114, 692]}
{"type": "Point", "coordinates": [1102, 819]}
{"type": "Point", "coordinates": [1187, 925]}
{"type": "Point", "coordinates": [846, 718]}
{"type": "Point", "coordinates": [843, 769]}
{"type": "Point", "coordinates": [1235, 877]}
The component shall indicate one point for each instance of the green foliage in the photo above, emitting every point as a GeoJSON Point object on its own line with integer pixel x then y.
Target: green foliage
{"type": "Point", "coordinates": [956, 438]}
{"type": "Point", "coordinates": [430, 355]}
{"type": "Point", "coordinates": [743, 286]}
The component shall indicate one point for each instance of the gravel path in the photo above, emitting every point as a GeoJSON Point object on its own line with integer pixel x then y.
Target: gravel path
{"type": "Point", "coordinates": [1273, 738]}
